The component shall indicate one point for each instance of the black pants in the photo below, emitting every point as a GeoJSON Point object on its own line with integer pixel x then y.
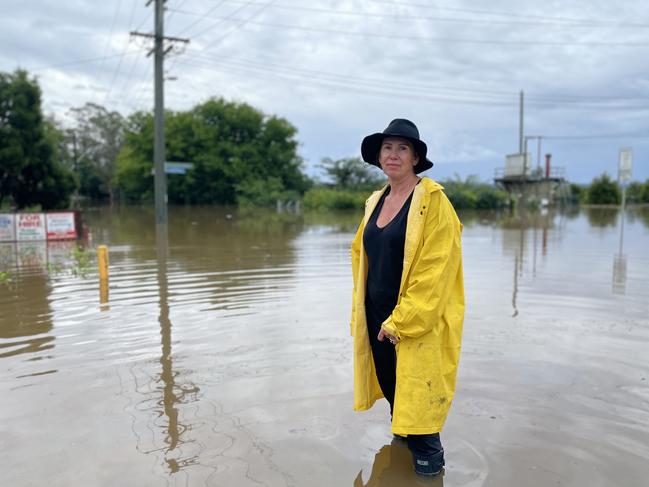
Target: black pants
{"type": "Point", "coordinates": [385, 362]}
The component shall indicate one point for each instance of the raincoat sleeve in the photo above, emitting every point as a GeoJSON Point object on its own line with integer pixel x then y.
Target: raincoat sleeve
{"type": "Point", "coordinates": [433, 275]}
{"type": "Point", "coordinates": [356, 256]}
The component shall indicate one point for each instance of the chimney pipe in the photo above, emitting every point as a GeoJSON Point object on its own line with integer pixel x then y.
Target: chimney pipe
{"type": "Point", "coordinates": [547, 165]}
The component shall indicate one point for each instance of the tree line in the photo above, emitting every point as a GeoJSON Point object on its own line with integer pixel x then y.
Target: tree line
{"type": "Point", "coordinates": [239, 155]}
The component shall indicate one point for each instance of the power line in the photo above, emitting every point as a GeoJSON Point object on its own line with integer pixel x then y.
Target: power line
{"type": "Point", "coordinates": [135, 97]}
{"type": "Point", "coordinates": [110, 36]}
{"type": "Point", "coordinates": [410, 84]}
{"type": "Point", "coordinates": [506, 14]}
{"type": "Point", "coordinates": [200, 19]}
{"type": "Point", "coordinates": [138, 94]}
{"type": "Point", "coordinates": [121, 58]}
{"type": "Point", "coordinates": [144, 20]}
{"type": "Point", "coordinates": [563, 98]}
{"type": "Point", "coordinates": [240, 23]}
{"type": "Point", "coordinates": [628, 135]}
{"type": "Point", "coordinates": [517, 20]}
{"type": "Point", "coordinates": [352, 87]}
{"type": "Point", "coordinates": [381, 82]}
{"type": "Point", "coordinates": [83, 61]}
{"type": "Point", "coordinates": [134, 63]}
{"type": "Point", "coordinates": [422, 90]}
{"type": "Point", "coordinates": [126, 84]}
{"type": "Point", "coordinates": [172, 14]}
{"type": "Point", "coordinates": [422, 38]}
{"type": "Point", "coordinates": [206, 15]}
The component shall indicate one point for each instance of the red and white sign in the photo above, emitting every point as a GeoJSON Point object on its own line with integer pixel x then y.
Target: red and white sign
{"type": "Point", "coordinates": [60, 226]}
{"type": "Point", "coordinates": [7, 227]}
{"type": "Point", "coordinates": [30, 226]}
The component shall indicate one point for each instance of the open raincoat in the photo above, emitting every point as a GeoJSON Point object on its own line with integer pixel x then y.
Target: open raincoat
{"type": "Point", "coordinates": [427, 319]}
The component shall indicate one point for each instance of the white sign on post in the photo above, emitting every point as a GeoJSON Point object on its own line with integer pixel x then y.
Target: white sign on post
{"type": "Point", "coordinates": [60, 226]}
{"type": "Point", "coordinates": [30, 226]}
{"type": "Point", "coordinates": [626, 165]}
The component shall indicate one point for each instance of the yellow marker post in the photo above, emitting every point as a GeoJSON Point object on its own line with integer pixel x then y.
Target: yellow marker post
{"type": "Point", "coordinates": [102, 261]}
{"type": "Point", "coordinates": [103, 294]}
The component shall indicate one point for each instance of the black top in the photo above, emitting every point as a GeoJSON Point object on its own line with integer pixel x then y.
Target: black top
{"type": "Point", "coordinates": [384, 248]}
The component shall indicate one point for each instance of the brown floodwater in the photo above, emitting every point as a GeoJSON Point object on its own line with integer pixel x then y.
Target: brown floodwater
{"type": "Point", "coordinates": [219, 355]}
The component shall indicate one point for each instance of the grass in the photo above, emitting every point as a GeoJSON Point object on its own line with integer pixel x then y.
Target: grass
{"type": "Point", "coordinates": [5, 278]}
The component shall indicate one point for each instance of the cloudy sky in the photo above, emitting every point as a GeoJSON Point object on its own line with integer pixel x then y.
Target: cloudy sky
{"type": "Point", "coordinates": [339, 70]}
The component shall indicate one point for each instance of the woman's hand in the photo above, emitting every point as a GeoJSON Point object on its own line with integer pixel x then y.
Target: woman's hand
{"type": "Point", "coordinates": [383, 335]}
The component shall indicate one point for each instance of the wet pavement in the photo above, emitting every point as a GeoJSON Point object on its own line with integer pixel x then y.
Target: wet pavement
{"type": "Point", "coordinates": [219, 354]}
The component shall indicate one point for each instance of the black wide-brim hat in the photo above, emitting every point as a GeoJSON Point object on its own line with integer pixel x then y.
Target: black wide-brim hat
{"type": "Point", "coordinates": [399, 127]}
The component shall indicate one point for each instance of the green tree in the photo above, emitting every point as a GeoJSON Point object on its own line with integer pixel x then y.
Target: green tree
{"type": "Point", "coordinates": [471, 193]}
{"type": "Point", "coordinates": [638, 192]}
{"type": "Point", "coordinates": [135, 160]}
{"type": "Point", "coordinates": [576, 192]}
{"type": "Point", "coordinates": [235, 149]}
{"type": "Point", "coordinates": [351, 173]}
{"type": "Point", "coordinates": [30, 173]}
{"type": "Point", "coordinates": [94, 143]}
{"type": "Point", "coordinates": [603, 191]}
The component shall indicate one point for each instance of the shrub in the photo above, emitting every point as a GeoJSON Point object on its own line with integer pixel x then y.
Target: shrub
{"type": "Point", "coordinates": [576, 193]}
{"type": "Point", "coordinates": [603, 191]}
{"type": "Point", "coordinates": [258, 192]}
{"type": "Point", "coordinates": [638, 192]}
{"type": "Point", "coordinates": [473, 194]}
{"type": "Point", "coordinates": [489, 197]}
{"type": "Point", "coordinates": [334, 199]}
{"type": "Point", "coordinates": [461, 197]}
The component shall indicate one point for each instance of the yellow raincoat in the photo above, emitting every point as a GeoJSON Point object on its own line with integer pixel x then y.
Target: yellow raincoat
{"type": "Point", "coordinates": [427, 319]}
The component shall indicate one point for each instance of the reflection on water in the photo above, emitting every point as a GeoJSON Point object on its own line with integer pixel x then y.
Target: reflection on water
{"type": "Point", "coordinates": [529, 237]}
{"type": "Point", "coordinates": [38, 256]}
{"type": "Point", "coordinates": [26, 317]}
{"type": "Point", "coordinates": [219, 349]}
{"type": "Point", "coordinates": [525, 235]}
{"type": "Point", "coordinates": [173, 393]}
{"type": "Point", "coordinates": [602, 217]}
{"type": "Point", "coordinates": [392, 467]}
{"type": "Point", "coordinates": [619, 262]}
{"type": "Point", "coordinates": [638, 214]}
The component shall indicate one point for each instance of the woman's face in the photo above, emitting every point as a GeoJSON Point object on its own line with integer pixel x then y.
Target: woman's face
{"type": "Point", "coordinates": [397, 157]}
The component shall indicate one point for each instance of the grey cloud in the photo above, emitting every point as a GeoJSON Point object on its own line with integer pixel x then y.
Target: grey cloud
{"type": "Point", "coordinates": [336, 88]}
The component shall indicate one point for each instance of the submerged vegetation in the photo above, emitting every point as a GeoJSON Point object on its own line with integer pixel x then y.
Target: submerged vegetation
{"type": "Point", "coordinates": [353, 180]}
{"type": "Point", "coordinates": [5, 278]}
{"type": "Point", "coordinates": [473, 194]}
{"type": "Point", "coordinates": [323, 198]}
{"type": "Point", "coordinates": [238, 155]}
{"type": "Point", "coordinates": [603, 190]}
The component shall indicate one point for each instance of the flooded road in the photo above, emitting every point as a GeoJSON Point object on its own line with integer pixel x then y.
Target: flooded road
{"type": "Point", "coordinates": [220, 355]}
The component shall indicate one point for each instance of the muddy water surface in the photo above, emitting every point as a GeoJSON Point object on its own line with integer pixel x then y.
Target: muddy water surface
{"type": "Point", "coordinates": [220, 355]}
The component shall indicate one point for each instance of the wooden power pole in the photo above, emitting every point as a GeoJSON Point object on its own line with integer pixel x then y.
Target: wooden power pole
{"type": "Point", "coordinates": [159, 51]}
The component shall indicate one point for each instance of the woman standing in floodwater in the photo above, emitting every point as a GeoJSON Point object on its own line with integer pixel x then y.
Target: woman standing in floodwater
{"type": "Point", "coordinates": [408, 300]}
